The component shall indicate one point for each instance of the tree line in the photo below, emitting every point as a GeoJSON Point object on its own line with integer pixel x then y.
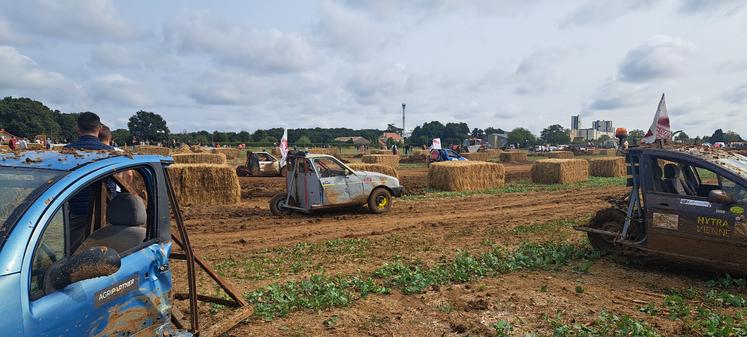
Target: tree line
{"type": "Point", "coordinates": [27, 118]}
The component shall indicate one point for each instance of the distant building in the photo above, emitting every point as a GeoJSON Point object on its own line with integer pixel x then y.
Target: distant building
{"type": "Point", "coordinates": [604, 126]}
{"type": "Point", "coordinates": [575, 122]}
{"type": "Point", "coordinates": [357, 140]}
{"type": "Point", "coordinates": [599, 128]}
{"type": "Point", "coordinates": [389, 135]}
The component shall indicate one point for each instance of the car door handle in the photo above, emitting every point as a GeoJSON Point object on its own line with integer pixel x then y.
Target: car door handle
{"type": "Point", "coordinates": [664, 205]}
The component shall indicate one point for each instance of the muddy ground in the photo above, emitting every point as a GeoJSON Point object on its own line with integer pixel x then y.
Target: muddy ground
{"type": "Point", "coordinates": [254, 249]}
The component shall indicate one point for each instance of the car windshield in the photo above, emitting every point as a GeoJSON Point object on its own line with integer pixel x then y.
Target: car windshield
{"type": "Point", "coordinates": [735, 163]}
{"type": "Point", "coordinates": [17, 187]}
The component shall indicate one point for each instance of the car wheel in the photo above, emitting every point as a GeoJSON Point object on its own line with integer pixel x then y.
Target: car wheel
{"type": "Point", "coordinates": [380, 200]}
{"type": "Point", "coordinates": [608, 219]}
{"type": "Point", "coordinates": [242, 171]}
{"type": "Point", "coordinates": [277, 205]}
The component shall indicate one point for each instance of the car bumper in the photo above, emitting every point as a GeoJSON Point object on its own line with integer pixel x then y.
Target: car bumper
{"type": "Point", "coordinates": [398, 191]}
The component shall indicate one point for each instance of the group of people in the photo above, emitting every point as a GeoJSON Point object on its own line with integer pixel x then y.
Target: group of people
{"type": "Point", "coordinates": [23, 143]}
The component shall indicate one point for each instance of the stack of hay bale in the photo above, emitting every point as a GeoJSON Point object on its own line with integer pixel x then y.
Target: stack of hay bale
{"type": "Point", "coordinates": [204, 179]}
{"type": "Point", "coordinates": [381, 159]}
{"type": "Point", "coordinates": [465, 176]}
{"type": "Point", "coordinates": [476, 156]}
{"type": "Point", "coordinates": [560, 155]}
{"type": "Point", "coordinates": [608, 152]}
{"type": "Point", "coordinates": [231, 154]}
{"type": "Point", "coordinates": [514, 156]}
{"type": "Point", "coordinates": [607, 167]}
{"type": "Point", "coordinates": [332, 151]}
{"type": "Point", "coordinates": [182, 149]}
{"type": "Point", "coordinates": [383, 169]}
{"type": "Point", "coordinates": [560, 171]}
{"type": "Point", "coordinates": [149, 149]}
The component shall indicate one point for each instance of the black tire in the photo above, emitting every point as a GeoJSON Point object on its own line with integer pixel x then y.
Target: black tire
{"type": "Point", "coordinates": [242, 171]}
{"type": "Point", "coordinates": [380, 200]}
{"type": "Point", "coordinates": [275, 206]}
{"type": "Point", "coordinates": [608, 219]}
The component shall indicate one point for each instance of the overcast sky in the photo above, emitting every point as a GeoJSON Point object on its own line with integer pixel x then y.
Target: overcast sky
{"type": "Point", "coordinates": [244, 65]}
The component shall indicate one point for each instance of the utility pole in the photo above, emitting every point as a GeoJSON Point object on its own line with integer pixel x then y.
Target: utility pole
{"type": "Point", "coordinates": [403, 121]}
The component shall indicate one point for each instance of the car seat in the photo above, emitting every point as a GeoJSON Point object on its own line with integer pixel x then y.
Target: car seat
{"type": "Point", "coordinates": [127, 217]}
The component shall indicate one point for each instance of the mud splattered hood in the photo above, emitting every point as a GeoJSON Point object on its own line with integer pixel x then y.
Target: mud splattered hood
{"type": "Point", "coordinates": [379, 178]}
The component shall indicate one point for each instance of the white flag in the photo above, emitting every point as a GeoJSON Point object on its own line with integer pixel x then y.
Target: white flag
{"type": "Point", "coordinates": [436, 144]}
{"type": "Point", "coordinates": [284, 147]}
{"type": "Point", "coordinates": [660, 128]}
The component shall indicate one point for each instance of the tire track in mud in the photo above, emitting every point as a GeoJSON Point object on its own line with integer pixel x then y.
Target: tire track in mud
{"type": "Point", "coordinates": [244, 227]}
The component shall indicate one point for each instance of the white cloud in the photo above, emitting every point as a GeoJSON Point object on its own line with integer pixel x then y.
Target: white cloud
{"type": "Point", "coordinates": [263, 50]}
{"type": "Point", "coordinates": [113, 56]}
{"type": "Point", "coordinates": [737, 95]}
{"type": "Point", "coordinates": [84, 20]}
{"type": "Point", "coordinates": [722, 7]}
{"type": "Point", "coordinates": [20, 75]}
{"type": "Point", "coordinates": [604, 11]}
{"type": "Point", "coordinates": [116, 88]}
{"type": "Point", "coordinates": [536, 72]}
{"type": "Point", "coordinates": [660, 57]}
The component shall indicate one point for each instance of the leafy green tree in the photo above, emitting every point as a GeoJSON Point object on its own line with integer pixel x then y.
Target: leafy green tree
{"type": "Point", "coordinates": [731, 136]}
{"type": "Point", "coordinates": [455, 133]}
{"type": "Point", "coordinates": [424, 134]}
{"type": "Point", "coordinates": [145, 125]}
{"type": "Point", "coordinates": [682, 136]}
{"type": "Point", "coordinates": [555, 135]}
{"type": "Point", "coordinates": [718, 136]}
{"type": "Point", "coordinates": [491, 130]}
{"type": "Point", "coordinates": [121, 136]}
{"type": "Point", "coordinates": [68, 126]}
{"type": "Point", "coordinates": [522, 137]}
{"type": "Point", "coordinates": [635, 136]}
{"type": "Point", "coordinates": [24, 117]}
{"type": "Point", "coordinates": [603, 140]}
{"type": "Point", "coordinates": [303, 141]}
{"type": "Point", "coordinates": [478, 133]}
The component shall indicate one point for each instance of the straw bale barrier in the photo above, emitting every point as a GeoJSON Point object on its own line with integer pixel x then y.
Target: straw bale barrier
{"type": "Point", "coordinates": [332, 151]}
{"type": "Point", "coordinates": [148, 149]}
{"type": "Point", "coordinates": [560, 155]}
{"type": "Point", "coordinates": [465, 175]}
{"type": "Point", "coordinates": [231, 154]}
{"type": "Point", "coordinates": [34, 147]}
{"type": "Point", "coordinates": [607, 167]}
{"type": "Point", "coordinates": [560, 171]}
{"type": "Point", "coordinates": [476, 156]}
{"type": "Point", "coordinates": [182, 149]}
{"type": "Point", "coordinates": [198, 149]}
{"type": "Point", "coordinates": [608, 152]}
{"type": "Point", "coordinates": [200, 158]}
{"type": "Point", "coordinates": [382, 159]}
{"type": "Point", "coordinates": [4, 148]}
{"type": "Point", "coordinates": [380, 151]}
{"type": "Point", "coordinates": [383, 169]}
{"type": "Point", "coordinates": [513, 156]}
{"type": "Point", "coordinates": [205, 184]}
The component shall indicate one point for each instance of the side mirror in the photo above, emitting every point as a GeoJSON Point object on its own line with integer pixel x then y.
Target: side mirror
{"type": "Point", "coordinates": [720, 197]}
{"type": "Point", "coordinates": [91, 263]}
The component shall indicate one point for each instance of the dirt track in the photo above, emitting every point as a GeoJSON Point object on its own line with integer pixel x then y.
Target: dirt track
{"type": "Point", "coordinates": [253, 249]}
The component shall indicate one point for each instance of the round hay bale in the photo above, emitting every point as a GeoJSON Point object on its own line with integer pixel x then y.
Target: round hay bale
{"type": "Point", "coordinates": [231, 154]}
{"type": "Point", "coordinates": [560, 155]}
{"type": "Point", "coordinates": [607, 167]}
{"type": "Point", "coordinates": [200, 158]}
{"type": "Point", "coordinates": [560, 171]}
{"type": "Point", "coordinates": [205, 184]}
{"type": "Point", "coordinates": [476, 156]}
{"type": "Point", "coordinates": [513, 156]}
{"type": "Point", "coordinates": [149, 149]}
{"type": "Point", "coordinates": [382, 159]}
{"type": "Point", "coordinates": [383, 169]}
{"type": "Point", "coordinates": [465, 176]}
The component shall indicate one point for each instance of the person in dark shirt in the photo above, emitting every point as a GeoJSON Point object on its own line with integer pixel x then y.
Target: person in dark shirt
{"type": "Point", "coordinates": [79, 206]}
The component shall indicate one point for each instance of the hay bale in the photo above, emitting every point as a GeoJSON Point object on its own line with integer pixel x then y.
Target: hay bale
{"type": "Point", "coordinates": [607, 167]}
{"type": "Point", "coordinates": [332, 151]}
{"type": "Point", "coordinates": [200, 158]}
{"type": "Point", "coordinates": [4, 148]}
{"type": "Point", "coordinates": [560, 155]}
{"type": "Point", "coordinates": [608, 152]}
{"type": "Point", "coordinates": [198, 149]}
{"type": "Point", "coordinates": [513, 156]}
{"type": "Point", "coordinates": [182, 149]}
{"type": "Point", "coordinates": [35, 147]}
{"type": "Point", "coordinates": [465, 175]}
{"type": "Point", "coordinates": [382, 159]}
{"type": "Point", "coordinates": [476, 156]}
{"type": "Point", "coordinates": [383, 169]}
{"type": "Point", "coordinates": [560, 171]}
{"type": "Point", "coordinates": [231, 154]}
{"type": "Point", "coordinates": [205, 184]}
{"type": "Point", "coordinates": [148, 149]}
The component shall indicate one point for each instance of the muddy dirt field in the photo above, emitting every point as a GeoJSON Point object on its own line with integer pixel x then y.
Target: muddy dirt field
{"type": "Point", "coordinates": [583, 294]}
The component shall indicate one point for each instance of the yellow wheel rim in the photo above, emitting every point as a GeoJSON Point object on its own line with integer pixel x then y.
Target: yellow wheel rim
{"type": "Point", "coordinates": [383, 202]}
